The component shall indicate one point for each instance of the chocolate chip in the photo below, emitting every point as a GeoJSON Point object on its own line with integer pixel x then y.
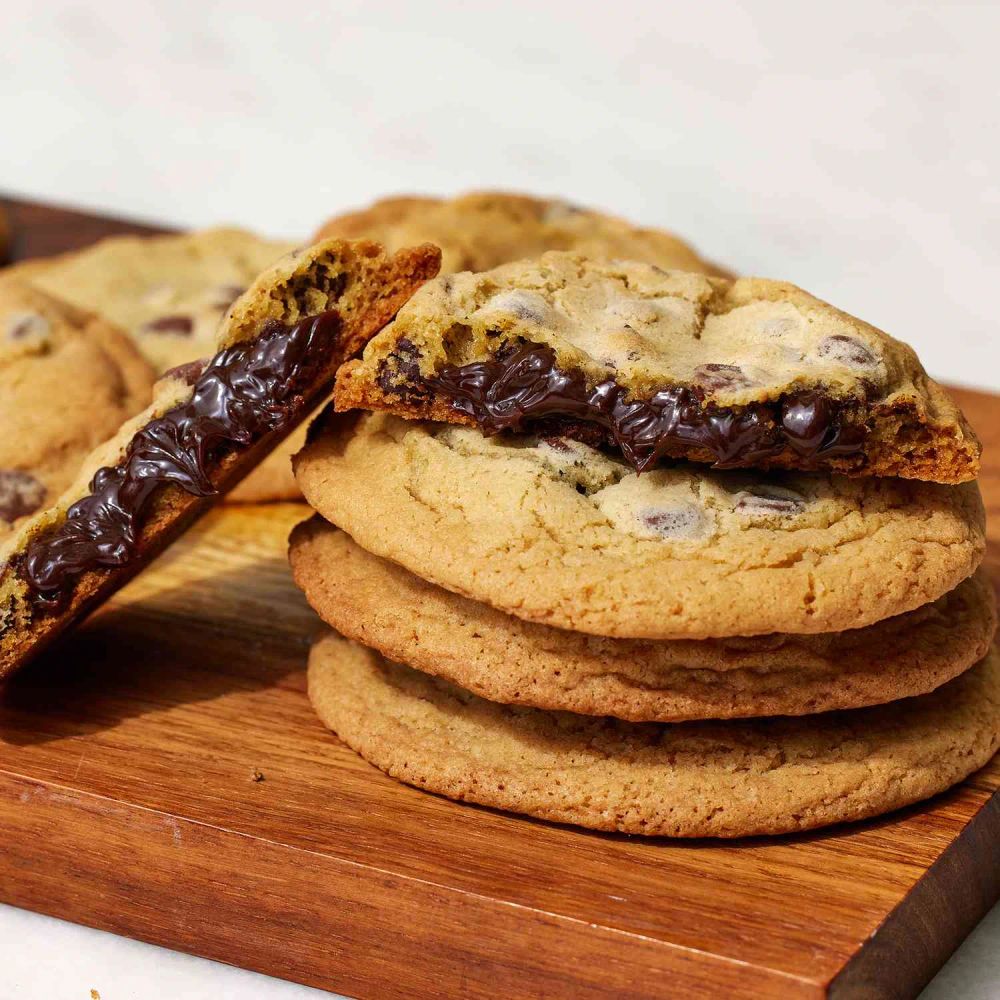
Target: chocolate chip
{"type": "Point", "coordinates": [673, 522]}
{"type": "Point", "coordinates": [188, 373]}
{"type": "Point", "coordinates": [21, 326]}
{"type": "Point", "coordinates": [847, 350]}
{"type": "Point", "coordinates": [715, 377]}
{"type": "Point", "coordinates": [399, 374]}
{"type": "Point", "coordinates": [20, 494]}
{"type": "Point", "coordinates": [763, 499]}
{"type": "Point", "coordinates": [182, 325]}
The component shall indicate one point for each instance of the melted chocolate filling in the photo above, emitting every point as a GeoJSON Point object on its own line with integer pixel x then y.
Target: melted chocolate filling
{"type": "Point", "coordinates": [247, 391]}
{"type": "Point", "coordinates": [524, 389]}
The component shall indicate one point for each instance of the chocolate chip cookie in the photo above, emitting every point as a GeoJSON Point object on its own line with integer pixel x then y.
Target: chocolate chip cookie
{"type": "Point", "coordinates": [559, 533]}
{"type": "Point", "coordinates": [505, 659]}
{"type": "Point", "coordinates": [654, 364]}
{"type": "Point", "coordinates": [170, 293]}
{"type": "Point", "coordinates": [694, 779]}
{"type": "Point", "coordinates": [68, 380]}
{"type": "Point", "coordinates": [480, 230]}
{"type": "Point", "coordinates": [277, 350]}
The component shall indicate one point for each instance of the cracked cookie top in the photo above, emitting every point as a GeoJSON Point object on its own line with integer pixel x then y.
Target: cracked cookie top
{"type": "Point", "coordinates": [660, 364]}
{"type": "Point", "coordinates": [554, 531]}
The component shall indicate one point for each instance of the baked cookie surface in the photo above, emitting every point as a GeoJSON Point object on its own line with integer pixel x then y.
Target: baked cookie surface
{"type": "Point", "coordinates": [558, 533]}
{"type": "Point", "coordinates": [479, 230]}
{"type": "Point", "coordinates": [694, 779]}
{"type": "Point", "coordinates": [507, 660]}
{"type": "Point", "coordinates": [736, 373]}
{"type": "Point", "coordinates": [68, 381]}
{"type": "Point", "coordinates": [209, 423]}
{"type": "Point", "coordinates": [170, 294]}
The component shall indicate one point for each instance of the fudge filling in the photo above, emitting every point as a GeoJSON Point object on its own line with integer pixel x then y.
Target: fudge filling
{"type": "Point", "coordinates": [523, 389]}
{"type": "Point", "coordinates": [245, 392]}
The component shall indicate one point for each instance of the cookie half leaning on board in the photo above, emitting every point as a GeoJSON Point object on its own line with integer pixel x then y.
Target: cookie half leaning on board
{"type": "Point", "coordinates": [664, 364]}
{"type": "Point", "coordinates": [278, 349]}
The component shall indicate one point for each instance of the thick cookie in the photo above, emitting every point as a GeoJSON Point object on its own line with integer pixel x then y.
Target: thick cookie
{"type": "Point", "coordinates": [693, 779]}
{"type": "Point", "coordinates": [279, 346]}
{"type": "Point", "coordinates": [68, 381]}
{"type": "Point", "coordinates": [508, 660]}
{"type": "Point", "coordinates": [745, 373]}
{"type": "Point", "coordinates": [558, 533]}
{"type": "Point", "coordinates": [482, 229]}
{"type": "Point", "coordinates": [170, 293]}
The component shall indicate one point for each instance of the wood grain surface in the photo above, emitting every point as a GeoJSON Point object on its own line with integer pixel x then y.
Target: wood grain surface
{"type": "Point", "coordinates": [163, 776]}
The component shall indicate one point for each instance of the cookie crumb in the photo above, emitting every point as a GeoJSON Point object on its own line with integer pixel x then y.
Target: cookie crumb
{"type": "Point", "coordinates": [94, 995]}
{"type": "Point", "coordinates": [257, 775]}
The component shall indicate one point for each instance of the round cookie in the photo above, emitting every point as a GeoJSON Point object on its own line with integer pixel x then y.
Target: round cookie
{"type": "Point", "coordinates": [558, 533]}
{"type": "Point", "coordinates": [693, 779]}
{"type": "Point", "coordinates": [68, 380]}
{"type": "Point", "coordinates": [505, 659]}
{"type": "Point", "coordinates": [648, 363]}
{"type": "Point", "coordinates": [170, 293]}
{"type": "Point", "coordinates": [479, 230]}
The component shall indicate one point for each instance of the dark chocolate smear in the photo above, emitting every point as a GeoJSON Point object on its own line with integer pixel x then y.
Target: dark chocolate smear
{"type": "Point", "coordinates": [523, 389]}
{"type": "Point", "coordinates": [247, 391]}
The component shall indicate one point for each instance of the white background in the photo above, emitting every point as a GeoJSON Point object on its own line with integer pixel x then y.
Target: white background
{"type": "Point", "coordinates": [850, 148]}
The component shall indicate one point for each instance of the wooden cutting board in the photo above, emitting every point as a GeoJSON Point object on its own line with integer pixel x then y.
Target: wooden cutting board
{"type": "Point", "coordinates": [162, 776]}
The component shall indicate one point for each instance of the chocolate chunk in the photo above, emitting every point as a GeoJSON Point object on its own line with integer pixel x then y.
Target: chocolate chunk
{"type": "Point", "coordinates": [714, 377]}
{"type": "Point", "coordinates": [523, 389]}
{"type": "Point", "coordinates": [847, 350]}
{"type": "Point", "coordinates": [188, 372]}
{"type": "Point", "coordinates": [246, 392]}
{"type": "Point", "coordinates": [25, 325]}
{"type": "Point", "coordinates": [399, 374]}
{"type": "Point", "coordinates": [765, 499]}
{"type": "Point", "coordinates": [20, 494]}
{"type": "Point", "coordinates": [685, 521]}
{"type": "Point", "coordinates": [182, 325]}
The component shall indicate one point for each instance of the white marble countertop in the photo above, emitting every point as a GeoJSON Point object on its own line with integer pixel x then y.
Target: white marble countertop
{"type": "Point", "coordinates": [850, 148]}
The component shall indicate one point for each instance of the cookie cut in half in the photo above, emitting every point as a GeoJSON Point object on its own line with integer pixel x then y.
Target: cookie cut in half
{"type": "Point", "coordinates": [505, 659]}
{"type": "Point", "coordinates": [169, 293]}
{"type": "Point", "coordinates": [664, 365]}
{"type": "Point", "coordinates": [556, 532]}
{"type": "Point", "coordinates": [278, 349]}
{"type": "Point", "coordinates": [68, 381]}
{"type": "Point", "coordinates": [483, 229]}
{"type": "Point", "coordinates": [688, 779]}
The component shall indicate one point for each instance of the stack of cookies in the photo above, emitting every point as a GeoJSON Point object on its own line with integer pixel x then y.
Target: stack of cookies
{"type": "Point", "coordinates": [648, 551]}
